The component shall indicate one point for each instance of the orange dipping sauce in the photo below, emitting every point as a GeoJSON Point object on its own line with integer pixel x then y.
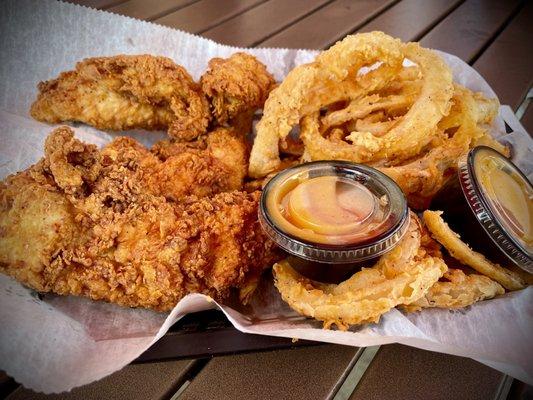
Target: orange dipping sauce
{"type": "Point", "coordinates": [333, 212]}
{"type": "Point", "coordinates": [327, 209]}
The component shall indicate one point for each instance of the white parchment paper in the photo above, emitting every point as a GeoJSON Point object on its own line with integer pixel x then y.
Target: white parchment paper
{"type": "Point", "coordinates": [58, 343]}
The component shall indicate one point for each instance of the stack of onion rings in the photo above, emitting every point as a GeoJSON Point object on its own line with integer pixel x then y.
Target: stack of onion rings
{"type": "Point", "coordinates": [372, 99]}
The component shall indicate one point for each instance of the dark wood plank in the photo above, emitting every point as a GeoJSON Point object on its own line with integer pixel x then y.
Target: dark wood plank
{"type": "Point", "coordinates": [148, 10]}
{"type": "Point", "coordinates": [411, 19]}
{"type": "Point", "coordinates": [401, 372]}
{"type": "Point", "coordinates": [205, 14]}
{"type": "Point", "coordinates": [310, 373]}
{"type": "Point", "coordinates": [262, 21]}
{"type": "Point", "coordinates": [134, 382]}
{"type": "Point", "coordinates": [328, 24]}
{"type": "Point", "coordinates": [98, 4]}
{"type": "Point", "coordinates": [527, 119]}
{"type": "Point", "coordinates": [470, 27]}
{"type": "Point", "coordinates": [507, 64]}
{"type": "Point", "coordinates": [520, 391]}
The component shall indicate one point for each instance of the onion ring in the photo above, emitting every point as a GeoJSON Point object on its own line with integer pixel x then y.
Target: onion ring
{"type": "Point", "coordinates": [422, 178]}
{"type": "Point", "coordinates": [330, 78]}
{"type": "Point", "coordinates": [399, 277]}
{"type": "Point", "coordinates": [460, 251]}
{"type": "Point", "coordinates": [305, 91]}
{"type": "Point", "coordinates": [409, 136]}
{"type": "Point", "coordinates": [459, 291]}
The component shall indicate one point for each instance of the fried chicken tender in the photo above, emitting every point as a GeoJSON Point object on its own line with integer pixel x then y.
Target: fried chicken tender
{"type": "Point", "coordinates": [126, 92]}
{"type": "Point", "coordinates": [237, 85]}
{"type": "Point", "coordinates": [216, 162]}
{"type": "Point", "coordinates": [94, 223]}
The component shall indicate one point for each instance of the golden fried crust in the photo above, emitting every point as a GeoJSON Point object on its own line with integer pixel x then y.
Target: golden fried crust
{"type": "Point", "coordinates": [236, 85]}
{"type": "Point", "coordinates": [112, 237]}
{"type": "Point", "coordinates": [126, 92]}
{"type": "Point", "coordinates": [457, 290]}
{"type": "Point", "coordinates": [211, 164]}
{"type": "Point", "coordinates": [230, 147]}
{"type": "Point", "coordinates": [35, 222]}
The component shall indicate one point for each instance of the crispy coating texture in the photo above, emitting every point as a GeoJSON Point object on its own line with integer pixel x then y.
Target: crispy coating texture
{"type": "Point", "coordinates": [458, 290]}
{"type": "Point", "coordinates": [126, 92]}
{"type": "Point", "coordinates": [236, 85]}
{"type": "Point", "coordinates": [216, 162]}
{"type": "Point", "coordinates": [92, 223]}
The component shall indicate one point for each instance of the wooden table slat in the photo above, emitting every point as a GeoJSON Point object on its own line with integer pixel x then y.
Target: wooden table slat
{"type": "Point", "coordinates": [205, 14]}
{"type": "Point", "coordinates": [411, 19]}
{"type": "Point", "coordinates": [305, 373]}
{"type": "Point", "coordinates": [135, 382]}
{"type": "Point", "coordinates": [527, 119]}
{"type": "Point", "coordinates": [261, 22]}
{"type": "Point", "coordinates": [507, 64]}
{"type": "Point", "coordinates": [468, 29]}
{"type": "Point", "coordinates": [327, 25]}
{"type": "Point", "coordinates": [401, 372]}
{"type": "Point", "coordinates": [98, 4]}
{"type": "Point", "coordinates": [149, 10]}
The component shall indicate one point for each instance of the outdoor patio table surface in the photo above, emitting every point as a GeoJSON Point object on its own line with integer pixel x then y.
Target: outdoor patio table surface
{"type": "Point", "coordinates": [494, 37]}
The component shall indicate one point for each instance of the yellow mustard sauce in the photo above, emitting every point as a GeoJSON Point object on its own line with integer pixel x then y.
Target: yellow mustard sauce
{"type": "Point", "coordinates": [509, 196]}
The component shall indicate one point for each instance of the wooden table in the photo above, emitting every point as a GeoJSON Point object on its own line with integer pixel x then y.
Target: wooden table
{"type": "Point", "coordinates": [495, 38]}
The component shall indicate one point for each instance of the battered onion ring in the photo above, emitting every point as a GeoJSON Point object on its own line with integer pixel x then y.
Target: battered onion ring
{"type": "Point", "coordinates": [399, 277]}
{"type": "Point", "coordinates": [460, 251]}
{"type": "Point", "coordinates": [410, 135]}
{"type": "Point", "coordinates": [330, 78]}
{"type": "Point", "coordinates": [422, 178]}
{"type": "Point", "coordinates": [460, 291]}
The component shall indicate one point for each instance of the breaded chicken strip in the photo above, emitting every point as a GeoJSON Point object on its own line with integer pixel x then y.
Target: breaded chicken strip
{"type": "Point", "coordinates": [237, 85]}
{"type": "Point", "coordinates": [213, 163]}
{"type": "Point", "coordinates": [126, 92]}
{"type": "Point", "coordinates": [91, 223]}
